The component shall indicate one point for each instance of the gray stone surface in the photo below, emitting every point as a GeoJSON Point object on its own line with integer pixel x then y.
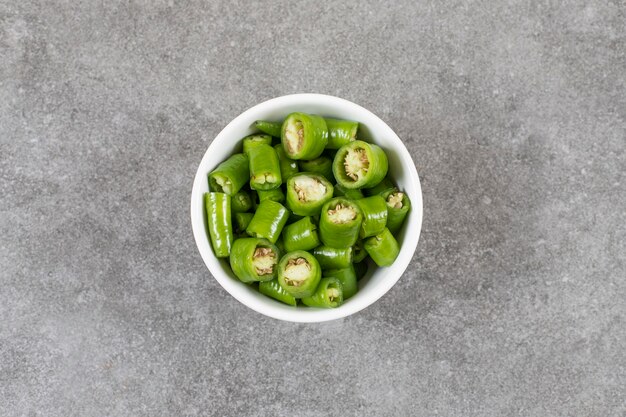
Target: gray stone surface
{"type": "Point", "coordinates": [514, 304]}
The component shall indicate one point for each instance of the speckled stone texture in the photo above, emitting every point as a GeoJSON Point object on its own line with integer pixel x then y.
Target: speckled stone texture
{"type": "Point", "coordinates": [514, 303]}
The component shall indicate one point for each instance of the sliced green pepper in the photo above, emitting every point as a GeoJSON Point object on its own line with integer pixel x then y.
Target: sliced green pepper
{"type": "Point", "coordinates": [264, 168]}
{"type": "Point", "coordinates": [275, 195]}
{"type": "Point", "coordinates": [268, 221]}
{"type": "Point", "coordinates": [299, 273]}
{"type": "Point", "coordinates": [358, 251]}
{"type": "Point", "coordinates": [349, 193]}
{"type": "Point", "coordinates": [242, 220]}
{"type": "Point", "coordinates": [398, 206]}
{"type": "Point", "coordinates": [328, 294]}
{"type": "Point", "coordinates": [241, 202]}
{"type": "Point", "coordinates": [271, 128]}
{"type": "Point", "coordinates": [333, 258]}
{"type": "Point", "coordinates": [383, 248]}
{"type": "Point", "coordinates": [347, 276]}
{"type": "Point", "coordinates": [360, 268]}
{"type": "Point", "coordinates": [322, 165]}
{"type": "Point", "coordinates": [301, 235]}
{"type": "Point", "coordinates": [273, 289]}
{"type": "Point", "coordinates": [251, 141]}
{"type": "Point", "coordinates": [360, 165]}
{"type": "Point", "coordinates": [340, 132]}
{"type": "Point", "coordinates": [218, 213]}
{"type": "Point", "coordinates": [253, 259]}
{"type": "Point", "coordinates": [385, 185]}
{"type": "Point", "coordinates": [230, 175]}
{"type": "Point", "coordinates": [374, 211]}
{"type": "Point", "coordinates": [304, 136]}
{"type": "Point", "coordinates": [340, 223]}
{"type": "Point", "coordinates": [288, 167]}
{"type": "Point", "coordinates": [307, 193]}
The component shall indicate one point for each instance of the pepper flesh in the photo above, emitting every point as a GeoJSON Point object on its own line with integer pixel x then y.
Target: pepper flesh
{"type": "Point", "coordinates": [288, 167]}
{"type": "Point", "coordinates": [251, 141]}
{"type": "Point", "coordinates": [229, 176]}
{"type": "Point", "coordinates": [217, 206]}
{"type": "Point", "coordinates": [398, 206]}
{"type": "Point", "coordinates": [268, 221]}
{"type": "Point", "coordinates": [271, 128]}
{"type": "Point", "coordinates": [273, 289]}
{"type": "Point", "coordinates": [340, 222]}
{"type": "Point", "coordinates": [347, 276]}
{"type": "Point", "coordinates": [304, 136]}
{"type": "Point", "coordinates": [374, 211]}
{"type": "Point", "coordinates": [340, 132]}
{"type": "Point", "coordinates": [264, 168]}
{"type": "Point", "coordinates": [301, 235]}
{"type": "Point", "coordinates": [321, 165]}
{"type": "Point", "coordinates": [328, 294]}
{"type": "Point", "coordinates": [254, 259]}
{"type": "Point", "coordinates": [299, 273]}
{"type": "Point", "coordinates": [360, 165]}
{"type": "Point", "coordinates": [382, 248]}
{"type": "Point", "coordinates": [307, 193]}
{"type": "Point", "coordinates": [241, 202]}
{"type": "Point", "coordinates": [333, 258]}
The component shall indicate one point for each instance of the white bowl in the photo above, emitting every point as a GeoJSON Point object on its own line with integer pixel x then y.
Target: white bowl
{"type": "Point", "coordinates": [377, 281]}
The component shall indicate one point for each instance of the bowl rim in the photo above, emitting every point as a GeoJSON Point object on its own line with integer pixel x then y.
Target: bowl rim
{"type": "Point", "coordinates": [298, 314]}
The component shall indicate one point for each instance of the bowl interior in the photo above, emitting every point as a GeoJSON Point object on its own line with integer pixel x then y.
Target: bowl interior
{"type": "Point", "coordinates": [401, 168]}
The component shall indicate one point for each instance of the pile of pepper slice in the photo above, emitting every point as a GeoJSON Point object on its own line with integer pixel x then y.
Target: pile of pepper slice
{"type": "Point", "coordinates": [303, 209]}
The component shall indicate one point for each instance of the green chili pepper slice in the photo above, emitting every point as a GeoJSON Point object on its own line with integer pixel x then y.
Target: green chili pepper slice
{"type": "Point", "coordinates": [322, 165]}
{"type": "Point", "coordinates": [253, 259]}
{"type": "Point", "coordinates": [360, 165]}
{"type": "Point", "coordinates": [251, 141]}
{"type": "Point", "coordinates": [340, 132]}
{"type": "Point", "coordinates": [288, 167]}
{"type": "Point", "coordinates": [358, 252]}
{"type": "Point", "coordinates": [241, 202]}
{"type": "Point", "coordinates": [264, 168]}
{"type": "Point", "coordinates": [275, 195]}
{"type": "Point", "coordinates": [304, 136]}
{"type": "Point", "coordinates": [347, 276]}
{"type": "Point", "coordinates": [307, 193]}
{"type": "Point", "coordinates": [299, 273]}
{"type": "Point", "coordinates": [360, 268]}
{"type": "Point", "coordinates": [217, 206]}
{"type": "Point", "coordinates": [230, 175]}
{"type": "Point", "coordinates": [268, 221]}
{"type": "Point", "coordinates": [328, 294]}
{"type": "Point", "coordinates": [271, 128]}
{"type": "Point", "coordinates": [374, 211]}
{"type": "Point", "coordinates": [385, 185]}
{"type": "Point", "coordinates": [301, 235]}
{"type": "Point", "coordinates": [398, 206]}
{"type": "Point", "coordinates": [349, 193]}
{"type": "Point", "coordinates": [333, 258]}
{"type": "Point", "coordinates": [382, 248]}
{"type": "Point", "coordinates": [242, 220]}
{"type": "Point", "coordinates": [340, 223]}
{"type": "Point", "coordinates": [273, 289]}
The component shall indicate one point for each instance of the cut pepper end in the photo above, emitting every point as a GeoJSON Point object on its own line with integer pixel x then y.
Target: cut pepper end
{"type": "Point", "coordinates": [356, 163]}
{"type": "Point", "coordinates": [297, 271]}
{"type": "Point", "coordinates": [341, 214]}
{"type": "Point", "coordinates": [294, 135]}
{"type": "Point", "coordinates": [395, 200]}
{"type": "Point", "coordinates": [309, 189]}
{"type": "Point", "coordinates": [264, 261]}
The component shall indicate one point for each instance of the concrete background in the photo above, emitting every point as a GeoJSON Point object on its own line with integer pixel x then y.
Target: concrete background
{"type": "Point", "coordinates": [514, 304]}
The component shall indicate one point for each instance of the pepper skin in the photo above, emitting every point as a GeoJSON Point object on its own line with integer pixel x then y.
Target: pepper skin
{"type": "Point", "coordinates": [398, 206]}
{"type": "Point", "coordinates": [340, 223]}
{"type": "Point", "coordinates": [301, 235]}
{"type": "Point", "coordinates": [347, 276]}
{"type": "Point", "coordinates": [374, 211]}
{"type": "Point", "coordinates": [251, 141]}
{"type": "Point", "coordinates": [219, 222]}
{"type": "Point", "coordinates": [271, 128]}
{"type": "Point", "coordinates": [253, 259]}
{"type": "Point", "coordinates": [299, 273]}
{"type": "Point", "coordinates": [288, 167]}
{"type": "Point", "coordinates": [360, 165]}
{"type": "Point", "coordinates": [264, 168]}
{"type": "Point", "coordinates": [230, 175]}
{"type": "Point", "coordinates": [322, 165]}
{"type": "Point", "coordinates": [349, 193]}
{"type": "Point", "coordinates": [242, 220]}
{"type": "Point", "coordinates": [304, 136]}
{"type": "Point", "coordinates": [358, 252]}
{"type": "Point", "coordinates": [333, 258]}
{"type": "Point", "coordinates": [273, 289]}
{"type": "Point", "coordinates": [383, 248]}
{"type": "Point", "coordinates": [241, 202]}
{"type": "Point", "coordinates": [385, 185]}
{"type": "Point", "coordinates": [328, 294]}
{"type": "Point", "coordinates": [340, 132]}
{"type": "Point", "coordinates": [307, 193]}
{"type": "Point", "coordinates": [268, 221]}
{"type": "Point", "coordinates": [274, 195]}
